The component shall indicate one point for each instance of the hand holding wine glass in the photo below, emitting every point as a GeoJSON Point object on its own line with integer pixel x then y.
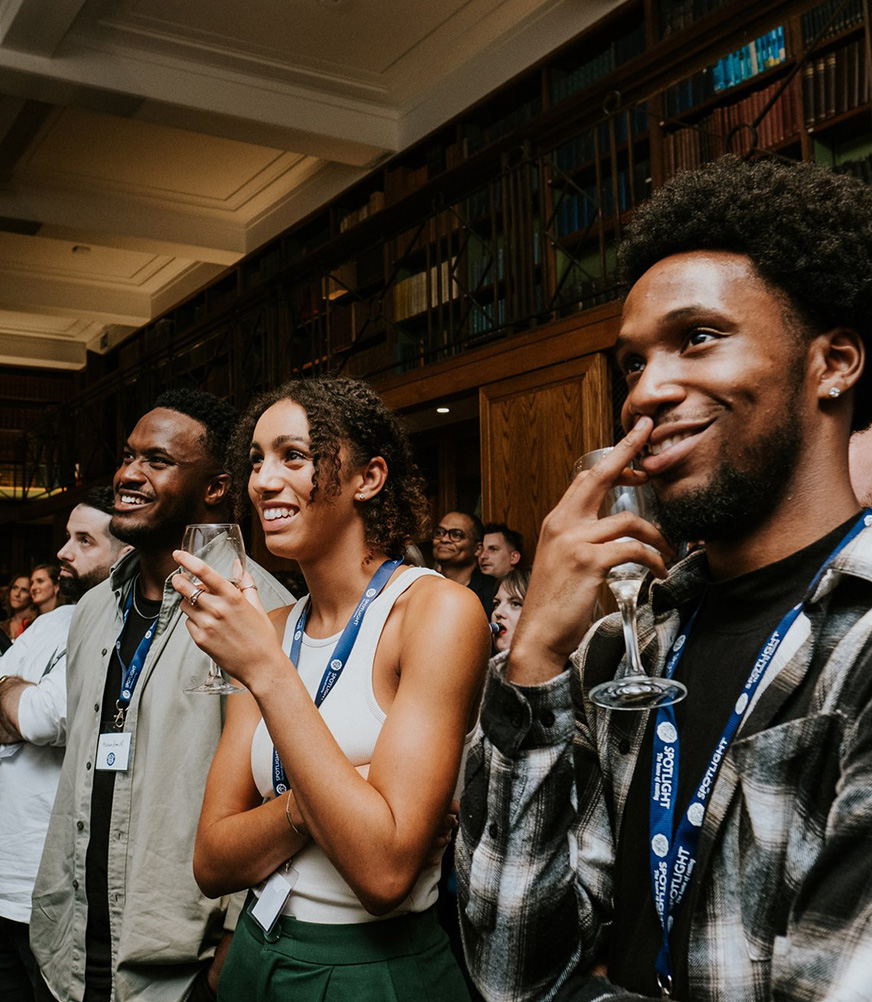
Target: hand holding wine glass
{"type": "Point", "coordinates": [575, 553]}
{"type": "Point", "coordinates": [220, 545]}
{"type": "Point", "coordinates": [635, 690]}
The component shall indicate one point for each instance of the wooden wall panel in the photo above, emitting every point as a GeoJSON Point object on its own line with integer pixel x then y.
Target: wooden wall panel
{"type": "Point", "coordinates": [533, 428]}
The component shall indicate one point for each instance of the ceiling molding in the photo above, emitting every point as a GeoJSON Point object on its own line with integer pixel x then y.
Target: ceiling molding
{"type": "Point", "coordinates": [37, 26]}
{"type": "Point", "coordinates": [42, 352]}
{"type": "Point", "coordinates": [147, 145]}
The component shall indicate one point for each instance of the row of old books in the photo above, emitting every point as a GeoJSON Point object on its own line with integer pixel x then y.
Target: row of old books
{"type": "Point", "coordinates": [690, 147]}
{"type": "Point", "coordinates": [577, 210]}
{"type": "Point", "coordinates": [765, 52]}
{"type": "Point", "coordinates": [815, 21]}
{"type": "Point", "coordinates": [587, 145]}
{"type": "Point", "coordinates": [375, 204]}
{"type": "Point", "coordinates": [477, 135]}
{"type": "Point", "coordinates": [621, 50]}
{"type": "Point", "coordinates": [835, 82]}
{"type": "Point", "coordinates": [425, 290]}
{"type": "Point", "coordinates": [762, 54]}
{"type": "Point", "coordinates": [678, 14]}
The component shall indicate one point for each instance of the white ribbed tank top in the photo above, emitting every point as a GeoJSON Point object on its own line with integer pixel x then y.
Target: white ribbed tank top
{"type": "Point", "coordinates": [355, 720]}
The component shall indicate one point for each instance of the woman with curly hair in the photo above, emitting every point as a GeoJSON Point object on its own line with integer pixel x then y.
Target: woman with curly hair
{"type": "Point", "coordinates": [336, 769]}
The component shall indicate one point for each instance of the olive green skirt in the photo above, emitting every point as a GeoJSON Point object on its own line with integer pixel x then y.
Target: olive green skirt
{"type": "Point", "coordinates": [405, 959]}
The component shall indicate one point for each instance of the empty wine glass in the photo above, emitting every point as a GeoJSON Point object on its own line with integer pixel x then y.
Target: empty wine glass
{"type": "Point", "coordinates": [634, 690]}
{"type": "Point", "coordinates": [220, 545]}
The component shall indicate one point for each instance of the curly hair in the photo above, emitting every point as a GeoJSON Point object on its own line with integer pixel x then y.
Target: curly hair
{"type": "Point", "coordinates": [345, 411]}
{"type": "Point", "coordinates": [807, 230]}
{"type": "Point", "coordinates": [217, 417]}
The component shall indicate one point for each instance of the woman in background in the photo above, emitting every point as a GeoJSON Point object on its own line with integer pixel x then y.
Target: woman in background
{"type": "Point", "coordinates": [508, 602]}
{"type": "Point", "coordinates": [337, 767]}
{"type": "Point", "coordinates": [21, 607]}
{"type": "Point", "coordinates": [45, 587]}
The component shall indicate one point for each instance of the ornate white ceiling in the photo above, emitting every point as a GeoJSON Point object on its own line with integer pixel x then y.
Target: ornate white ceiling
{"type": "Point", "coordinates": [147, 144]}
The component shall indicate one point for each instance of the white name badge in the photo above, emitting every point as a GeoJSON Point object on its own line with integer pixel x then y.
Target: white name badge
{"type": "Point", "coordinates": [113, 752]}
{"type": "Point", "coordinates": [276, 891]}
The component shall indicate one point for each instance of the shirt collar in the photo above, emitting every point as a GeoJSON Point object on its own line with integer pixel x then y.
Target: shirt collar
{"type": "Point", "coordinates": [686, 581]}
{"type": "Point", "coordinates": [123, 573]}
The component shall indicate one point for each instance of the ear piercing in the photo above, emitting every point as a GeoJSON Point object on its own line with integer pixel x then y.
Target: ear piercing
{"type": "Point", "coordinates": [835, 392]}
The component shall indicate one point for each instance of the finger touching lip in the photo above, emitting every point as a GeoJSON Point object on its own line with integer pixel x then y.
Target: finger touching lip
{"type": "Point", "coordinates": [671, 450]}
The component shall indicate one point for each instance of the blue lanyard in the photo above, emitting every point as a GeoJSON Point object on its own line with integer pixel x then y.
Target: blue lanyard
{"type": "Point", "coordinates": [131, 672]}
{"type": "Point", "coordinates": [673, 860]}
{"type": "Point", "coordinates": [341, 652]}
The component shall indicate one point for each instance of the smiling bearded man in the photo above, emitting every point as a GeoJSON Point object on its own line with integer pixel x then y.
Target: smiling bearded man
{"type": "Point", "coordinates": [116, 911]}
{"type": "Point", "coordinates": [717, 851]}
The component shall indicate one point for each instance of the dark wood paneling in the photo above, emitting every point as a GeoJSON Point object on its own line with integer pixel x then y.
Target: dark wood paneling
{"type": "Point", "coordinates": [533, 427]}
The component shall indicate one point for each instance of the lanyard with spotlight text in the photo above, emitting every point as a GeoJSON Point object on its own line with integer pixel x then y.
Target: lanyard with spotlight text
{"type": "Point", "coordinates": [673, 857]}
{"type": "Point", "coordinates": [341, 652]}
{"type": "Point", "coordinates": [132, 671]}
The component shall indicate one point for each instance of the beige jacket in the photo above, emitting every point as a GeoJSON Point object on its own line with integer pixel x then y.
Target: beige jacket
{"type": "Point", "coordinates": [163, 927]}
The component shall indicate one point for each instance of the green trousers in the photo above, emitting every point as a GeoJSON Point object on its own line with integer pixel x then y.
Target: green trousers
{"type": "Point", "coordinates": [405, 959]}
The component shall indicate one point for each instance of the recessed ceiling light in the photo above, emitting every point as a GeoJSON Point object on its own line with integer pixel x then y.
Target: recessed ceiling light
{"type": "Point", "coordinates": [443, 410]}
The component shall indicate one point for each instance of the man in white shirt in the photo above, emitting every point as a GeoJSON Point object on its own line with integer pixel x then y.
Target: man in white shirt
{"type": "Point", "coordinates": [33, 711]}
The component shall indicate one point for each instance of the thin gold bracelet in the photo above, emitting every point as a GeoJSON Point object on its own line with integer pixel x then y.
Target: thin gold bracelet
{"type": "Point", "coordinates": [294, 828]}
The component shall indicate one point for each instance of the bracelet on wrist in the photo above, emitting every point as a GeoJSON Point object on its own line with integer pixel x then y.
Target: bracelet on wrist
{"type": "Point", "coordinates": [294, 828]}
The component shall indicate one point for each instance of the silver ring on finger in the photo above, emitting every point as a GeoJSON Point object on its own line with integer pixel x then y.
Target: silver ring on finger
{"type": "Point", "coordinates": [194, 597]}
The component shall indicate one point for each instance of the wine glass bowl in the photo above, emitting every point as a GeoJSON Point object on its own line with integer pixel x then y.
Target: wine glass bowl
{"type": "Point", "coordinates": [221, 546]}
{"type": "Point", "coordinates": [634, 690]}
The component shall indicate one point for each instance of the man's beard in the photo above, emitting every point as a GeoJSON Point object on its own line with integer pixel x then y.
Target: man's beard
{"type": "Point", "coordinates": [737, 497]}
{"type": "Point", "coordinates": [73, 588]}
{"type": "Point", "coordinates": [167, 533]}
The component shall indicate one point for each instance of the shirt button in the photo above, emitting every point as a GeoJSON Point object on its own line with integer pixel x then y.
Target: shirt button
{"type": "Point", "coordinates": [547, 719]}
{"type": "Point", "coordinates": [96, 707]}
{"type": "Point", "coordinates": [493, 830]}
{"type": "Point", "coordinates": [516, 719]}
{"type": "Point", "coordinates": [87, 765]}
{"type": "Point", "coordinates": [80, 825]}
{"type": "Point", "coordinates": [75, 885]}
{"type": "Point", "coordinates": [624, 747]}
{"type": "Point", "coordinates": [104, 651]}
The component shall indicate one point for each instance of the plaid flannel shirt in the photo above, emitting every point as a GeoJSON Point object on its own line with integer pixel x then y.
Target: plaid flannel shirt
{"type": "Point", "coordinates": [782, 896]}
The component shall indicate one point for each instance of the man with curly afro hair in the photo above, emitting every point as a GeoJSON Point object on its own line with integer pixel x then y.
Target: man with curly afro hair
{"type": "Point", "coordinates": [717, 849]}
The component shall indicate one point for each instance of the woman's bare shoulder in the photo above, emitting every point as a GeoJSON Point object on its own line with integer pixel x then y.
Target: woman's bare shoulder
{"type": "Point", "coordinates": [433, 596]}
{"type": "Point", "coordinates": [279, 618]}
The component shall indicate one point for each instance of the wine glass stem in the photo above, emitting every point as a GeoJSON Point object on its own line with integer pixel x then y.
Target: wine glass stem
{"type": "Point", "coordinates": [627, 607]}
{"type": "Point", "coordinates": [214, 677]}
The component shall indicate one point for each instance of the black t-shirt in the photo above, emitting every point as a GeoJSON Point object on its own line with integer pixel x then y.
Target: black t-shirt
{"type": "Point", "coordinates": [98, 938]}
{"type": "Point", "coordinates": [735, 620]}
{"type": "Point", "coordinates": [484, 587]}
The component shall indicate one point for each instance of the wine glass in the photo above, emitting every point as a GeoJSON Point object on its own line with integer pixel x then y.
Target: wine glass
{"type": "Point", "coordinates": [634, 690]}
{"type": "Point", "coordinates": [220, 545]}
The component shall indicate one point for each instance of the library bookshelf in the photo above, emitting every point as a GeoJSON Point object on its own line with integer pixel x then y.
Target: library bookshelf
{"type": "Point", "coordinates": [503, 223]}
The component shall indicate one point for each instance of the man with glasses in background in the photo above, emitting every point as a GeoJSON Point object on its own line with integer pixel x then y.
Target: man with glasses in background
{"type": "Point", "coordinates": [456, 545]}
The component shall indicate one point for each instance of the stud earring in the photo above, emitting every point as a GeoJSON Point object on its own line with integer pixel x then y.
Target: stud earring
{"type": "Point", "coordinates": [835, 392]}
{"type": "Point", "coordinates": [360, 497]}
